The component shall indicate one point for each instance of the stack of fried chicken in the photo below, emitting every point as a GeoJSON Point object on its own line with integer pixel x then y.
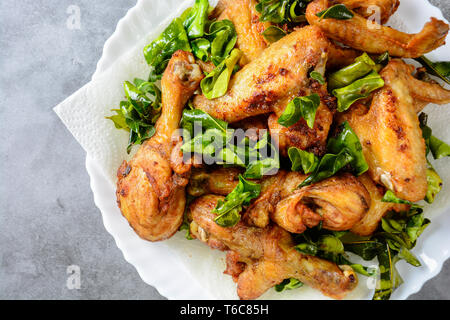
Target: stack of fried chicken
{"type": "Point", "coordinates": [152, 187]}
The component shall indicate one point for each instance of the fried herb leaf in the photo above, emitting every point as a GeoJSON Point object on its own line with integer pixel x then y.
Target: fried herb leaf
{"type": "Point", "coordinates": [338, 11]}
{"type": "Point", "coordinates": [434, 185]}
{"type": "Point", "coordinates": [438, 148]}
{"type": "Point", "coordinates": [359, 89]}
{"type": "Point", "coordinates": [288, 284]}
{"type": "Point", "coordinates": [282, 11]}
{"type": "Point", "coordinates": [317, 76]}
{"type": "Point", "coordinates": [273, 34]}
{"type": "Point", "coordinates": [440, 69]}
{"type": "Point", "coordinates": [215, 84]}
{"type": "Point", "coordinates": [347, 139]}
{"type": "Point", "coordinates": [159, 51]}
{"type": "Point", "coordinates": [228, 211]}
{"type": "Point", "coordinates": [139, 112]}
{"type": "Point", "coordinates": [307, 161]}
{"type": "Point", "coordinates": [196, 19]}
{"type": "Point", "coordinates": [362, 66]}
{"type": "Point", "coordinates": [300, 107]}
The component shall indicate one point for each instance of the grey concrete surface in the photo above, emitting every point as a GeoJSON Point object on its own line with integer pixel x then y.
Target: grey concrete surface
{"type": "Point", "coordinates": [48, 219]}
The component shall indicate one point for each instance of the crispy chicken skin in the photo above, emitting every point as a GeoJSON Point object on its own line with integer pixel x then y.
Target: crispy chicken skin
{"type": "Point", "coordinates": [370, 37]}
{"type": "Point", "coordinates": [391, 137]}
{"type": "Point", "coordinates": [281, 70]}
{"type": "Point", "coordinates": [339, 57]}
{"type": "Point", "coordinates": [269, 256]}
{"type": "Point", "coordinates": [364, 7]}
{"type": "Point", "coordinates": [422, 92]}
{"type": "Point", "coordinates": [338, 202]}
{"type": "Point", "coordinates": [150, 195]}
{"type": "Point", "coordinates": [248, 27]}
{"type": "Point", "coordinates": [369, 223]}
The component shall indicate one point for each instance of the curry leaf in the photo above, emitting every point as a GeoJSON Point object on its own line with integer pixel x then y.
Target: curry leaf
{"type": "Point", "coordinates": [347, 139]}
{"type": "Point", "coordinates": [359, 89]}
{"type": "Point", "coordinates": [159, 52]}
{"type": "Point", "coordinates": [307, 161]}
{"type": "Point", "coordinates": [222, 36]}
{"type": "Point", "coordinates": [390, 196]}
{"type": "Point", "coordinates": [300, 107]}
{"type": "Point", "coordinates": [229, 209]}
{"type": "Point", "coordinates": [317, 76]}
{"type": "Point", "coordinates": [338, 11]}
{"type": "Point", "coordinates": [215, 84]}
{"type": "Point", "coordinates": [196, 19]}
{"type": "Point", "coordinates": [328, 166]}
{"type": "Point", "coordinates": [439, 69]}
{"type": "Point", "coordinates": [362, 66]}
{"type": "Point", "coordinates": [288, 284]}
{"type": "Point", "coordinates": [434, 185]}
{"type": "Point", "coordinates": [273, 34]}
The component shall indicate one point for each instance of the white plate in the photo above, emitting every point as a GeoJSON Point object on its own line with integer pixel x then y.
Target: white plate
{"type": "Point", "coordinates": [158, 264]}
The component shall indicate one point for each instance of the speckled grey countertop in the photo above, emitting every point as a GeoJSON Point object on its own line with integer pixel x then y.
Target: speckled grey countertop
{"type": "Point", "coordinates": [48, 220]}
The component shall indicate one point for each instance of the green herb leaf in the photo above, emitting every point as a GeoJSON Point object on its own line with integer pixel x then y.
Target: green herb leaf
{"type": "Point", "coordinates": [330, 244]}
{"type": "Point", "coordinates": [304, 160]}
{"type": "Point", "coordinates": [222, 36]}
{"type": "Point", "coordinates": [307, 248]}
{"type": "Point", "coordinates": [159, 52]}
{"type": "Point", "coordinates": [301, 107]}
{"type": "Point", "coordinates": [439, 69]}
{"type": "Point", "coordinates": [273, 34]}
{"type": "Point", "coordinates": [362, 66]}
{"type": "Point", "coordinates": [338, 11]}
{"type": "Point", "coordinates": [389, 278]}
{"type": "Point", "coordinates": [282, 11]}
{"type": "Point", "coordinates": [390, 196]}
{"type": "Point", "coordinates": [196, 116]}
{"type": "Point", "coordinates": [317, 76]}
{"type": "Point", "coordinates": [201, 48]}
{"type": "Point", "coordinates": [347, 139]}
{"type": "Point", "coordinates": [288, 284]}
{"type": "Point", "coordinates": [359, 89]}
{"type": "Point", "coordinates": [434, 185]}
{"type": "Point", "coordinates": [196, 19]}
{"type": "Point", "coordinates": [328, 166]}
{"type": "Point", "coordinates": [439, 148]}
{"type": "Point", "coordinates": [215, 84]}
{"type": "Point", "coordinates": [228, 211]}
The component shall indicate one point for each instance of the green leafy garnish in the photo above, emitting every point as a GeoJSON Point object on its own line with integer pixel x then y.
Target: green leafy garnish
{"type": "Point", "coordinates": [222, 36]}
{"type": "Point", "coordinates": [390, 196]}
{"type": "Point", "coordinates": [307, 161]}
{"type": "Point", "coordinates": [359, 89]}
{"type": "Point", "coordinates": [160, 51]}
{"type": "Point", "coordinates": [196, 19]}
{"type": "Point", "coordinates": [282, 11]}
{"type": "Point", "coordinates": [347, 151]}
{"type": "Point", "coordinates": [215, 84]}
{"type": "Point", "coordinates": [440, 69]}
{"type": "Point", "coordinates": [228, 211]}
{"type": "Point", "coordinates": [273, 34]}
{"type": "Point", "coordinates": [438, 148]}
{"type": "Point", "coordinates": [338, 11]}
{"type": "Point", "coordinates": [139, 112]}
{"type": "Point", "coordinates": [300, 107]}
{"type": "Point", "coordinates": [317, 76]}
{"type": "Point", "coordinates": [213, 141]}
{"type": "Point", "coordinates": [434, 185]}
{"type": "Point", "coordinates": [347, 139]}
{"type": "Point", "coordinates": [362, 66]}
{"type": "Point", "coordinates": [288, 284]}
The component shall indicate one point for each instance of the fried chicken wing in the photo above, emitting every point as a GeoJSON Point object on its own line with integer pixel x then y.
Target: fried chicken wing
{"type": "Point", "coordinates": [248, 27]}
{"type": "Point", "coordinates": [269, 256]}
{"type": "Point", "coordinates": [339, 57]}
{"type": "Point", "coordinates": [150, 195]}
{"type": "Point", "coordinates": [365, 7]}
{"type": "Point", "coordinates": [370, 37]}
{"type": "Point", "coordinates": [281, 70]}
{"type": "Point", "coordinates": [338, 202]}
{"type": "Point", "coordinates": [371, 220]}
{"type": "Point", "coordinates": [391, 137]}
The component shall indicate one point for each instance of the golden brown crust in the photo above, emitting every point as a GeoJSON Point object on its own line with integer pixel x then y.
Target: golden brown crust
{"type": "Point", "coordinates": [270, 256]}
{"type": "Point", "coordinates": [281, 70]}
{"type": "Point", "coordinates": [248, 27]}
{"type": "Point", "coordinates": [371, 220]}
{"type": "Point", "coordinates": [150, 195]}
{"type": "Point", "coordinates": [365, 8]}
{"type": "Point", "coordinates": [363, 35]}
{"type": "Point", "coordinates": [391, 137]}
